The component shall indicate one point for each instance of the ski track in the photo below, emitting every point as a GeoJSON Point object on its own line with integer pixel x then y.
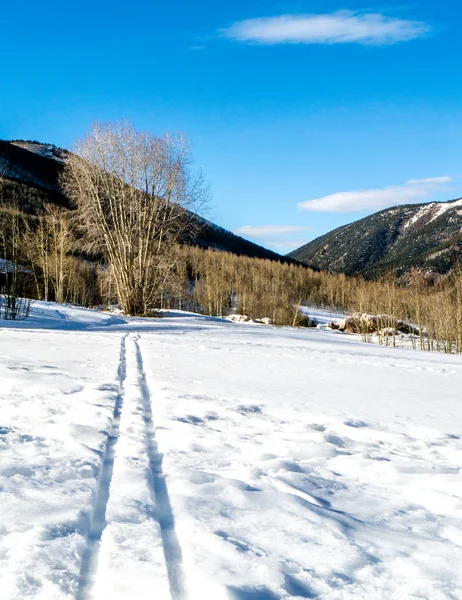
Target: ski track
{"type": "Point", "coordinates": [98, 516]}
{"type": "Point", "coordinates": [132, 535]}
{"type": "Point", "coordinates": [172, 550]}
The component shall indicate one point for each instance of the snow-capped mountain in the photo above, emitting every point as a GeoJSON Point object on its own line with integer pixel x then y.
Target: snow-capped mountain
{"type": "Point", "coordinates": [400, 239]}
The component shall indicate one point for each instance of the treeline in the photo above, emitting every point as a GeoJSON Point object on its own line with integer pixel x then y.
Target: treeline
{"type": "Point", "coordinates": [218, 283]}
{"type": "Point", "coordinates": [125, 242]}
{"type": "Point", "coordinates": [49, 264]}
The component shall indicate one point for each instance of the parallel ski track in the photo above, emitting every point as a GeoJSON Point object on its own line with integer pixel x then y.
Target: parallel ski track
{"type": "Point", "coordinates": [98, 514]}
{"type": "Point", "coordinates": [171, 546]}
{"type": "Point", "coordinates": [157, 484]}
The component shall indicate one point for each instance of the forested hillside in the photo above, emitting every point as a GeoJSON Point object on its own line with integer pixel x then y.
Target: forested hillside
{"type": "Point", "coordinates": [31, 173]}
{"type": "Point", "coordinates": [49, 253]}
{"type": "Point", "coordinates": [400, 239]}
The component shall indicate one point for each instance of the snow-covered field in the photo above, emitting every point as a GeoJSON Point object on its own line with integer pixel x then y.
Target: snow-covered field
{"type": "Point", "coordinates": [197, 459]}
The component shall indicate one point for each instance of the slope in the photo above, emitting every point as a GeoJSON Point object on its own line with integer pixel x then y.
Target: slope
{"type": "Point", "coordinates": [426, 236]}
{"type": "Point", "coordinates": [200, 459]}
{"type": "Point", "coordinates": [31, 171]}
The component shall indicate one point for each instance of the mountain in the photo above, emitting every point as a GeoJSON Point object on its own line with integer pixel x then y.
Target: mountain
{"type": "Point", "coordinates": [31, 171]}
{"type": "Point", "coordinates": [399, 239]}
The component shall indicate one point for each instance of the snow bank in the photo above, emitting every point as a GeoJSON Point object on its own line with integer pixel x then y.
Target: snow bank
{"type": "Point", "coordinates": [49, 315]}
{"type": "Point", "coordinates": [245, 319]}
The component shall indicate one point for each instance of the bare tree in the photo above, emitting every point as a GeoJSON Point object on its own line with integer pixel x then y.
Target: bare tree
{"type": "Point", "coordinates": [12, 306]}
{"type": "Point", "coordinates": [133, 193]}
{"type": "Point", "coordinates": [13, 276]}
{"type": "Point", "coordinates": [48, 244]}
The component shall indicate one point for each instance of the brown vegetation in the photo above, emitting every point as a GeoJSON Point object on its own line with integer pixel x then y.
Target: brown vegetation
{"type": "Point", "coordinates": [131, 191]}
{"type": "Point", "coordinates": [219, 283]}
{"type": "Point", "coordinates": [123, 244]}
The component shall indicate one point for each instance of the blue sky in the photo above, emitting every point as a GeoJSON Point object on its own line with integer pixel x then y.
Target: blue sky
{"type": "Point", "coordinates": [304, 115]}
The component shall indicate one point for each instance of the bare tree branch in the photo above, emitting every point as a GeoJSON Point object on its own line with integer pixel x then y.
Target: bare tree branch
{"type": "Point", "coordinates": [133, 193]}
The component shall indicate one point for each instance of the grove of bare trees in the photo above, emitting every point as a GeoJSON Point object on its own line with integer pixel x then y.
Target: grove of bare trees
{"type": "Point", "coordinates": [13, 304]}
{"type": "Point", "coordinates": [126, 241]}
{"type": "Point", "coordinates": [220, 283]}
{"type": "Point", "coordinates": [133, 193]}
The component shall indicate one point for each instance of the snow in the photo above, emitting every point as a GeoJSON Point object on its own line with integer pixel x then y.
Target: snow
{"type": "Point", "coordinates": [441, 208]}
{"type": "Point", "coordinates": [426, 208]}
{"type": "Point", "coordinates": [445, 206]}
{"type": "Point", "coordinates": [245, 319]}
{"type": "Point", "coordinates": [320, 316]}
{"type": "Point", "coordinates": [193, 458]}
{"type": "Point", "coordinates": [45, 150]}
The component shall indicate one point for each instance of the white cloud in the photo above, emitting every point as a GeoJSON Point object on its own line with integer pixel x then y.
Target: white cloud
{"type": "Point", "coordinates": [268, 230]}
{"type": "Point", "coordinates": [340, 27]}
{"type": "Point", "coordinates": [414, 190]}
{"type": "Point", "coordinates": [432, 181]}
{"type": "Point", "coordinates": [286, 245]}
{"type": "Point", "coordinates": [278, 237]}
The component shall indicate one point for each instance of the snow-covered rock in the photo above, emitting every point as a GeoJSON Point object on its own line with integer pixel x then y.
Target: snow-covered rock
{"type": "Point", "coordinates": [235, 318]}
{"type": "Point", "coordinates": [366, 323]}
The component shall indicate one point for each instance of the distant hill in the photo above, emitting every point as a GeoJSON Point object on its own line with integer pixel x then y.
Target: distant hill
{"type": "Point", "coordinates": [31, 172]}
{"type": "Point", "coordinates": [400, 239]}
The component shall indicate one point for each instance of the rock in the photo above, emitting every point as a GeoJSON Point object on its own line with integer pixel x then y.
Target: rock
{"type": "Point", "coordinates": [264, 321]}
{"type": "Point", "coordinates": [238, 318]}
{"type": "Point", "coordinates": [388, 332]}
{"type": "Point", "coordinates": [366, 323]}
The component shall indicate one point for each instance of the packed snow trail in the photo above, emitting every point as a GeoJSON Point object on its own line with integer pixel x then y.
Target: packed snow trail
{"type": "Point", "coordinates": [164, 512]}
{"type": "Point", "coordinates": [132, 555]}
{"type": "Point", "coordinates": [188, 458]}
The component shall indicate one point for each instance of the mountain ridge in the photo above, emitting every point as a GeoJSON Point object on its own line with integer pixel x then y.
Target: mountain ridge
{"type": "Point", "coordinates": [426, 236]}
{"type": "Point", "coordinates": [31, 173]}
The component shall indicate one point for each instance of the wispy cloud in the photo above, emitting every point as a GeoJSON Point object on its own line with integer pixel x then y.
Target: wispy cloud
{"type": "Point", "coordinates": [285, 245]}
{"type": "Point", "coordinates": [340, 27]}
{"type": "Point", "coordinates": [414, 190]}
{"type": "Point", "coordinates": [277, 237]}
{"type": "Point", "coordinates": [268, 230]}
